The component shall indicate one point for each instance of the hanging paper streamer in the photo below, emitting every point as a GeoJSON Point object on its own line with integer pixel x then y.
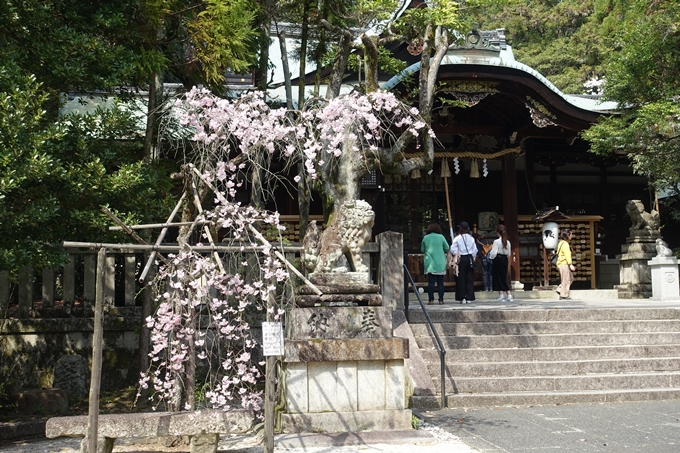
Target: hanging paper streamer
{"type": "Point", "coordinates": [485, 169]}
{"type": "Point", "coordinates": [456, 165]}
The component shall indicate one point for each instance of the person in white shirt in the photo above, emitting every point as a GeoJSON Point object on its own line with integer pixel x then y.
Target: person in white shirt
{"type": "Point", "coordinates": [465, 246]}
{"type": "Point", "coordinates": [499, 254]}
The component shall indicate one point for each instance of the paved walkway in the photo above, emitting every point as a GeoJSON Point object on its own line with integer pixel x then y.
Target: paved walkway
{"type": "Point", "coordinates": [641, 427]}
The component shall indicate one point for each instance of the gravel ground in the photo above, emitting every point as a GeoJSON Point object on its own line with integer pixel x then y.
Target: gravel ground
{"type": "Point", "coordinates": [442, 441]}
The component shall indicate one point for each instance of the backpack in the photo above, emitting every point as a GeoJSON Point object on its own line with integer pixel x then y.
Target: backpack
{"type": "Point", "coordinates": [486, 248]}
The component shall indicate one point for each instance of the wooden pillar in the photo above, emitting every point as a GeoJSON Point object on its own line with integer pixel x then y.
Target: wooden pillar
{"type": "Point", "coordinates": [48, 288]}
{"type": "Point", "coordinates": [110, 281]}
{"type": "Point", "coordinates": [130, 279]}
{"type": "Point", "coordinates": [391, 269]}
{"type": "Point", "coordinates": [69, 277]}
{"type": "Point", "coordinates": [26, 277]}
{"type": "Point", "coordinates": [90, 278]}
{"type": "Point", "coordinates": [4, 290]}
{"type": "Point", "coordinates": [510, 212]}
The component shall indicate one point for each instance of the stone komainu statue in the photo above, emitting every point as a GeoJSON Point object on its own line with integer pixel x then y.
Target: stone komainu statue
{"type": "Point", "coordinates": [346, 234]}
{"type": "Point", "coordinates": [662, 248]}
{"type": "Point", "coordinates": [642, 221]}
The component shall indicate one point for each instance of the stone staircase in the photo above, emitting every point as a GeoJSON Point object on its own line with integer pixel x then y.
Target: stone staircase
{"type": "Point", "coordinates": [551, 356]}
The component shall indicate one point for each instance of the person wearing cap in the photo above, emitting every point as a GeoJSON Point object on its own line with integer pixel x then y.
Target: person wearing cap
{"type": "Point", "coordinates": [465, 245]}
{"type": "Point", "coordinates": [434, 248]}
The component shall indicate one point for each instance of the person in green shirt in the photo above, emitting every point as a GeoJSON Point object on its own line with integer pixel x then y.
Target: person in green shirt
{"type": "Point", "coordinates": [434, 247]}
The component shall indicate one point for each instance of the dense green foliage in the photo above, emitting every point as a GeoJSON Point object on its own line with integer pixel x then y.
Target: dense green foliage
{"type": "Point", "coordinates": [55, 175]}
{"type": "Point", "coordinates": [643, 78]}
{"type": "Point", "coordinates": [56, 172]}
{"type": "Point", "coordinates": [567, 41]}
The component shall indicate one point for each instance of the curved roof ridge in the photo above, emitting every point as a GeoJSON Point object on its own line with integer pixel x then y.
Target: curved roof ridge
{"type": "Point", "coordinates": [503, 58]}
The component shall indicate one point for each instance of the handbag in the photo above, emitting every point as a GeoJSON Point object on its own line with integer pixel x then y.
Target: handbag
{"type": "Point", "coordinates": [553, 260]}
{"type": "Point", "coordinates": [473, 263]}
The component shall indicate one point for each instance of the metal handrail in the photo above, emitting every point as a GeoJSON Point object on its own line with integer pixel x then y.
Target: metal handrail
{"type": "Point", "coordinates": [442, 350]}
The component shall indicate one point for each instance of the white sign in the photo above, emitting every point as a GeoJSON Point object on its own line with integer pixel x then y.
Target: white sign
{"type": "Point", "coordinates": [272, 338]}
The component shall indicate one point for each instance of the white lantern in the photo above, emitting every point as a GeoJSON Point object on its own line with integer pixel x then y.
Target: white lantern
{"type": "Point", "coordinates": [550, 235]}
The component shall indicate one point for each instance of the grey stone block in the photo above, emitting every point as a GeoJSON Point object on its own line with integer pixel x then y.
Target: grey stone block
{"type": "Point", "coordinates": [340, 323]}
{"type": "Point", "coordinates": [337, 422]}
{"type": "Point", "coordinates": [40, 401]}
{"type": "Point", "coordinates": [345, 350]}
{"type": "Point", "coordinates": [72, 375]}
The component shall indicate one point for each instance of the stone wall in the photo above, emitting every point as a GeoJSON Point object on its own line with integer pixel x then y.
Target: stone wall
{"type": "Point", "coordinates": [31, 347]}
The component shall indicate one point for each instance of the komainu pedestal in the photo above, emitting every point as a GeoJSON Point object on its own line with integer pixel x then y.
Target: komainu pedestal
{"type": "Point", "coordinates": [343, 368]}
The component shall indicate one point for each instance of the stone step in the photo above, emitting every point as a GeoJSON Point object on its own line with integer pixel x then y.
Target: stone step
{"type": "Point", "coordinates": [556, 354]}
{"type": "Point", "coordinates": [576, 294]}
{"type": "Point", "coordinates": [549, 340]}
{"type": "Point", "coordinates": [556, 368]}
{"type": "Point", "coordinates": [547, 327]}
{"type": "Point", "coordinates": [620, 381]}
{"type": "Point", "coordinates": [558, 314]}
{"type": "Point", "coordinates": [544, 398]}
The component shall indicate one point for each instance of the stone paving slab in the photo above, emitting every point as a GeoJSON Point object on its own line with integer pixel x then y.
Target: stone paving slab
{"type": "Point", "coordinates": [639, 427]}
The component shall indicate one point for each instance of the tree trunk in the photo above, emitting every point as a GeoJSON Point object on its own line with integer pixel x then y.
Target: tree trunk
{"type": "Point", "coordinates": [303, 54]}
{"type": "Point", "coordinates": [261, 75]}
{"type": "Point", "coordinates": [339, 62]}
{"type": "Point", "coordinates": [155, 89]}
{"type": "Point", "coordinates": [286, 70]}
{"type": "Point", "coordinates": [371, 62]}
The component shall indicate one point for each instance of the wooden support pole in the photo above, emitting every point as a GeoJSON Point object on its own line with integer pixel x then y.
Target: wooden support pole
{"type": "Point", "coordinates": [270, 384]}
{"type": "Point", "coordinates": [97, 344]}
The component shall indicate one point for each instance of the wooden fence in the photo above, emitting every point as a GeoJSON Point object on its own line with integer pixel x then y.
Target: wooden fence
{"type": "Point", "coordinates": [73, 285]}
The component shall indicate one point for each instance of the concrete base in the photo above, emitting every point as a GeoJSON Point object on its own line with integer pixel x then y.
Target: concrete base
{"type": "Point", "coordinates": [634, 291]}
{"type": "Point", "coordinates": [664, 278]}
{"type": "Point", "coordinates": [334, 422]}
{"type": "Point", "coordinates": [360, 439]}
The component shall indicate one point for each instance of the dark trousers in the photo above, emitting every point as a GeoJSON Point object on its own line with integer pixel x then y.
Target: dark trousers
{"type": "Point", "coordinates": [465, 283]}
{"type": "Point", "coordinates": [500, 273]}
{"type": "Point", "coordinates": [487, 266]}
{"type": "Point", "coordinates": [431, 278]}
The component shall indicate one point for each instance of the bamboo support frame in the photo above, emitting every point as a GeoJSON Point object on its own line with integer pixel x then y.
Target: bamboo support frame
{"type": "Point", "coordinates": [261, 238]}
{"type": "Point", "coordinates": [208, 234]}
{"type": "Point", "coordinates": [171, 248]}
{"type": "Point", "coordinates": [128, 230]}
{"type": "Point", "coordinates": [160, 238]}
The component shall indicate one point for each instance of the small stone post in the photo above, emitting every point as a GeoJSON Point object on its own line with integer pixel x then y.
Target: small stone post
{"type": "Point", "coordinates": [391, 269]}
{"type": "Point", "coordinates": [664, 272]}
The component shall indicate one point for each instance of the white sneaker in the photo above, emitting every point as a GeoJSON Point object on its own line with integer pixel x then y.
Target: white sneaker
{"type": "Point", "coordinates": [463, 301]}
{"type": "Point", "coordinates": [510, 298]}
{"type": "Point", "coordinates": [501, 299]}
